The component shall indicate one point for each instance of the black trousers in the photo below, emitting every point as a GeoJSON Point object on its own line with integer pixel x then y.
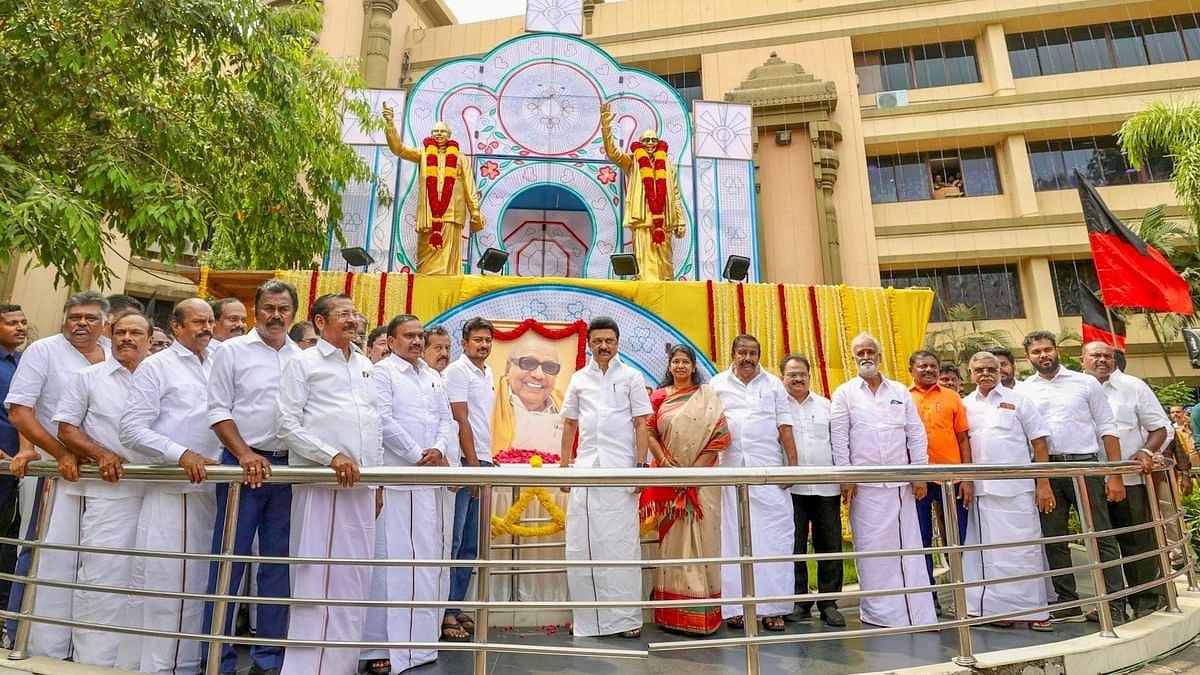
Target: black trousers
{"type": "Point", "coordinates": [1055, 524]}
{"type": "Point", "coordinates": [10, 526]}
{"type": "Point", "coordinates": [825, 516]}
{"type": "Point", "coordinates": [1135, 510]}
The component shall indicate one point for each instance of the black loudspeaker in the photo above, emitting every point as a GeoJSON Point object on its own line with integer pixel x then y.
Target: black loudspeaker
{"type": "Point", "coordinates": [624, 265]}
{"type": "Point", "coordinates": [737, 267]}
{"type": "Point", "coordinates": [1191, 340]}
{"type": "Point", "coordinates": [357, 256]}
{"type": "Point", "coordinates": [492, 260]}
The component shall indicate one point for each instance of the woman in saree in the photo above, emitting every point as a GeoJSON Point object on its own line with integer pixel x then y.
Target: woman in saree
{"type": "Point", "coordinates": [687, 429]}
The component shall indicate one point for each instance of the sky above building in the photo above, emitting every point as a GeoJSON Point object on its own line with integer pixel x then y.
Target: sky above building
{"type": "Point", "coordinates": [469, 11]}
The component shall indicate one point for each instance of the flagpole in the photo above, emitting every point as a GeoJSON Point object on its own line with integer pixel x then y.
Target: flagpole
{"type": "Point", "coordinates": [1162, 348]}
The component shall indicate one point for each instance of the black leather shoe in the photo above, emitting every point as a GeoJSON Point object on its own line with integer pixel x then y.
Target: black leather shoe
{"type": "Point", "coordinates": [802, 611]}
{"type": "Point", "coordinates": [832, 617]}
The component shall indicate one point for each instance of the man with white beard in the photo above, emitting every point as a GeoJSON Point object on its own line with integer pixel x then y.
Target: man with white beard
{"type": "Point", "coordinates": [873, 421]}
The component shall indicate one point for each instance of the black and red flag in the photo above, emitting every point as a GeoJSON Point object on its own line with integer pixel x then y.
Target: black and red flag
{"type": "Point", "coordinates": [1131, 272]}
{"type": "Point", "coordinates": [1099, 324]}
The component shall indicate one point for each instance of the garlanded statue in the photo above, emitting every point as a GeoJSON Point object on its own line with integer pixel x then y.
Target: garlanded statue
{"type": "Point", "coordinates": [653, 206]}
{"type": "Point", "coordinates": [445, 197]}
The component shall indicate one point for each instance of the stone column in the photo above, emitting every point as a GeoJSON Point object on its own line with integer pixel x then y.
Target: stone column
{"type": "Point", "coordinates": [824, 136]}
{"type": "Point", "coordinates": [994, 65]}
{"type": "Point", "coordinates": [377, 15]}
{"type": "Point", "coordinates": [1013, 162]}
{"type": "Point", "coordinates": [1037, 290]}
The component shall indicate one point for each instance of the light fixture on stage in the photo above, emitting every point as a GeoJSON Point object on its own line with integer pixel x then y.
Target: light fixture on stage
{"type": "Point", "coordinates": [737, 267]}
{"type": "Point", "coordinates": [493, 260]}
{"type": "Point", "coordinates": [356, 256]}
{"type": "Point", "coordinates": [624, 265]}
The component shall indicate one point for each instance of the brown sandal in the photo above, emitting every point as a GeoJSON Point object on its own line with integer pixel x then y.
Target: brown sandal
{"type": "Point", "coordinates": [466, 623]}
{"type": "Point", "coordinates": [773, 623]}
{"type": "Point", "coordinates": [736, 622]}
{"type": "Point", "coordinates": [452, 632]}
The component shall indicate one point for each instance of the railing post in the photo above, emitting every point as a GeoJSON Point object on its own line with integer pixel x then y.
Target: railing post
{"type": "Point", "coordinates": [483, 577]}
{"type": "Point", "coordinates": [1185, 538]}
{"type": "Point", "coordinates": [966, 656]}
{"type": "Point", "coordinates": [1088, 525]}
{"type": "Point", "coordinates": [746, 549]}
{"type": "Point", "coordinates": [224, 571]}
{"type": "Point", "coordinates": [1160, 536]}
{"type": "Point", "coordinates": [20, 650]}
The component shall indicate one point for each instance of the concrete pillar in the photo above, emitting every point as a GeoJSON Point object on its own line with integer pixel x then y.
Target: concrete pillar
{"type": "Point", "coordinates": [1037, 291]}
{"type": "Point", "coordinates": [377, 16]}
{"type": "Point", "coordinates": [1012, 158]}
{"type": "Point", "coordinates": [994, 65]}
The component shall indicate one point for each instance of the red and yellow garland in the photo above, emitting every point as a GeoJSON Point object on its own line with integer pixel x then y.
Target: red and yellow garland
{"type": "Point", "coordinates": [439, 201]}
{"type": "Point", "coordinates": [654, 183]}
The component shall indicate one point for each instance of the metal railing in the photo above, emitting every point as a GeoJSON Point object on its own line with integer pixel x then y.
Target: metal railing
{"type": "Point", "coordinates": [741, 479]}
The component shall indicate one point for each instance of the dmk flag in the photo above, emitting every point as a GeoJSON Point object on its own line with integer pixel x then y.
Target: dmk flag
{"type": "Point", "coordinates": [1096, 321]}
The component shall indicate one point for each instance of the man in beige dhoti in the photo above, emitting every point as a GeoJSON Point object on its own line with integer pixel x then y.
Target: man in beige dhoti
{"type": "Point", "coordinates": [653, 206]}
{"type": "Point", "coordinates": [445, 197]}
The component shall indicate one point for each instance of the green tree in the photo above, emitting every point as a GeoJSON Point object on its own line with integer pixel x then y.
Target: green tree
{"type": "Point", "coordinates": [170, 124]}
{"type": "Point", "coordinates": [1174, 129]}
{"type": "Point", "coordinates": [963, 335]}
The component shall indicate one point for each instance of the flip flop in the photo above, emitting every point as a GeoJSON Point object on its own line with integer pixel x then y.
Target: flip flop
{"type": "Point", "coordinates": [466, 623]}
{"type": "Point", "coordinates": [773, 623]}
{"type": "Point", "coordinates": [736, 622]}
{"type": "Point", "coordinates": [380, 667]}
{"type": "Point", "coordinates": [453, 632]}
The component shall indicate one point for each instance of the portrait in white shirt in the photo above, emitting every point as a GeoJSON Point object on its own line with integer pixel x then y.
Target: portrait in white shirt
{"type": "Point", "coordinates": [413, 410]}
{"type": "Point", "coordinates": [244, 387]}
{"type": "Point", "coordinates": [605, 404]}
{"type": "Point", "coordinates": [1002, 424]}
{"type": "Point", "coordinates": [46, 368]}
{"type": "Point", "coordinates": [476, 387]}
{"type": "Point", "coordinates": [1075, 409]}
{"type": "Point", "coordinates": [880, 427]}
{"type": "Point", "coordinates": [810, 429]}
{"type": "Point", "coordinates": [754, 411]}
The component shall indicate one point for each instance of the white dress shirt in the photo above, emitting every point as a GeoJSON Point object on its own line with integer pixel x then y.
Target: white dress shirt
{"type": "Point", "coordinates": [879, 428]}
{"type": "Point", "coordinates": [1137, 412]}
{"type": "Point", "coordinates": [327, 407]}
{"type": "Point", "coordinates": [45, 370]}
{"type": "Point", "coordinates": [605, 403]}
{"type": "Point", "coordinates": [477, 388]}
{"type": "Point", "coordinates": [810, 429]}
{"type": "Point", "coordinates": [413, 410]}
{"type": "Point", "coordinates": [1002, 424]}
{"type": "Point", "coordinates": [1075, 409]}
{"type": "Point", "coordinates": [754, 411]}
{"type": "Point", "coordinates": [95, 402]}
{"type": "Point", "coordinates": [168, 408]}
{"type": "Point", "coordinates": [244, 387]}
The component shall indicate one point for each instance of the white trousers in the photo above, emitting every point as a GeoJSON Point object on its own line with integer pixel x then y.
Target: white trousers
{"type": "Point", "coordinates": [62, 528]}
{"type": "Point", "coordinates": [177, 522]}
{"type": "Point", "coordinates": [329, 523]}
{"type": "Point", "coordinates": [106, 523]}
{"type": "Point", "coordinates": [997, 519]}
{"type": "Point", "coordinates": [772, 532]}
{"type": "Point", "coordinates": [412, 525]}
{"type": "Point", "coordinates": [886, 518]}
{"type": "Point", "coordinates": [602, 524]}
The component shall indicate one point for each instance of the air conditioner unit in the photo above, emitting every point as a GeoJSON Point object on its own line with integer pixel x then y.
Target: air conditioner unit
{"type": "Point", "coordinates": [891, 99]}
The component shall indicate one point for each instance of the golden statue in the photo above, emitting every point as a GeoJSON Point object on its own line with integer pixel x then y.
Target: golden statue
{"type": "Point", "coordinates": [445, 197]}
{"type": "Point", "coordinates": [653, 206]}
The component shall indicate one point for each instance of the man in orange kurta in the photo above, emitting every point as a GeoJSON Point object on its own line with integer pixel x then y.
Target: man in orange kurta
{"type": "Point", "coordinates": [945, 420]}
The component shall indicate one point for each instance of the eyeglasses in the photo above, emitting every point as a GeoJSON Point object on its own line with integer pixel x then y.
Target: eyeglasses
{"type": "Point", "coordinates": [531, 363]}
{"type": "Point", "coordinates": [985, 369]}
{"type": "Point", "coordinates": [308, 342]}
{"type": "Point", "coordinates": [76, 318]}
{"type": "Point", "coordinates": [341, 314]}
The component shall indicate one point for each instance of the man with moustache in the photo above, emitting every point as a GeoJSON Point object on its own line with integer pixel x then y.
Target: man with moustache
{"type": "Point", "coordinates": [88, 417]}
{"type": "Point", "coordinates": [526, 413]}
{"type": "Point", "coordinates": [14, 328]}
{"type": "Point", "coordinates": [159, 340]}
{"type": "Point", "coordinates": [1142, 430]}
{"type": "Point", "coordinates": [1008, 367]}
{"type": "Point", "coordinates": [949, 378]}
{"type": "Point", "coordinates": [45, 369]}
{"type": "Point", "coordinates": [945, 421]}
{"type": "Point", "coordinates": [230, 317]}
{"type": "Point", "coordinates": [242, 392]}
{"type": "Point", "coordinates": [327, 417]}
{"type": "Point", "coordinates": [167, 420]}
{"type": "Point", "coordinates": [470, 389]}
{"type": "Point", "coordinates": [377, 347]}
{"type": "Point", "coordinates": [1004, 425]}
{"type": "Point", "coordinates": [606, 403]}
{"type": "Point", "coordinates": [873, 421]}
{"type": "Point", "coordinates": [815, 505]}
{"type": "Point", "coordinates": [415, 519]}
{"type": "Point", "coordinates": [1081, 422]}
{"type": "Point", "coordinates": [759, 414]}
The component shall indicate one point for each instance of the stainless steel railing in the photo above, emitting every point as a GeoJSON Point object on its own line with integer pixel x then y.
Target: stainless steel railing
{"type": "Point", "coordinates": [740, 479]}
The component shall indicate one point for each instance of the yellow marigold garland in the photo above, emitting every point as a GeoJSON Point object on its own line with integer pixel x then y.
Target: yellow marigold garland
{"type": "Point", "coordinates": [511, 522]}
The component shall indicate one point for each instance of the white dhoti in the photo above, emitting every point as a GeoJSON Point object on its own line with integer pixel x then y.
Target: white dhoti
{"type": "Point", "coordinates": [602, 524]}
{"type": "Point", "coordinates": [883, 518]}
{"type": "Point", "coordinates": [412, 525]}
{"type": "Point", "coordinates": [62, 528]}
{"type": "Point", "coordinates": [996, 519]}
{"type": "Point", "coordinates": [106, 523]}
{"type": "Point", "coordinates": [329, 523]}
{"type": "Point", "coordinates": [177, 522]}
{"type": "Point", "coordinates": [772, 532]}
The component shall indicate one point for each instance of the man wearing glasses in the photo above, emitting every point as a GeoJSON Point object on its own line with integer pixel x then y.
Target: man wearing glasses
{"type": "Point", "coordinates": [526, 414]}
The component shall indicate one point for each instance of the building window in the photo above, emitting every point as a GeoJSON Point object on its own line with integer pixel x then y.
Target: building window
{"type": "Point", "coordinates": [1070, 277]}
{"type": "Point", "coordinates": [1099, 158]}
{"type": "Point", "coordinates": [931, 65]}
{"type": "Point", "coordinates": [1167, 39]}
{"type": "Point", "coordinates": [969, 172]}
{"type": "Point", "coordinates": [994, 290]}
{"type": "Point", "coordinates": [687, 85]}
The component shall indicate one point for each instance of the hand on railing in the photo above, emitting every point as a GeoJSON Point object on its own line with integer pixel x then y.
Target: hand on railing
{"type": "Point", "coordinates": [193, 463]}
{"type": "Point", "coordinates": [346, 469]}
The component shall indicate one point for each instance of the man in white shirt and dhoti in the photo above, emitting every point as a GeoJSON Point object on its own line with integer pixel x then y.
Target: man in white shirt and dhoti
{"type": "Point", "coordinates": [1003, 426]}
{"type": "Point", "coordinates": [416, 519]}
{"type": "Point", "coordinates": [327, 417]}
{"type": "Point", "coordinates": [167, 419]}
{"type": "Point", "coordinates": [873, 421]}
{"type": "Point", "coordinates": [759, 415]}
{"type": "Point", "coordinates": [607, 403]}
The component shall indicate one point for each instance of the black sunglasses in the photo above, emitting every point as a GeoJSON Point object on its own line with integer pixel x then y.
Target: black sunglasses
{"type": "Point", "coordinates": [532, 363]}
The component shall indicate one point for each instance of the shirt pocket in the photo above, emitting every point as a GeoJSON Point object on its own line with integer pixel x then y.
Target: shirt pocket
{"type": "Point", "coordinates": [893, 415]}
{"type": "Point", "coordinates": [1005, 419]}
{"type": "Point", "coordinates": [819, 426]}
